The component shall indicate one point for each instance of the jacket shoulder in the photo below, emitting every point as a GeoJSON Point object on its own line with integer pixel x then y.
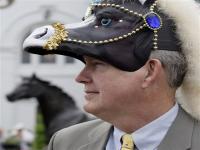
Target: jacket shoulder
{"type": "Point", "coordinates": [75, 136]}
{"type": "Point", "coordinates": [82, 127]}
{"type": "Point", "coordinates": [196, 135]}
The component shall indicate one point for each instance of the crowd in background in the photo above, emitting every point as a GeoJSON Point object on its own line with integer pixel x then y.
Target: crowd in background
{"type": "Point", "coordinates": [19, 138]}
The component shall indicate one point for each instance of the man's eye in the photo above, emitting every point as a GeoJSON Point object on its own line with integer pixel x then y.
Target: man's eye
{"type": "Point", "coordinates": [106, 22]}
{"type": "Point", "coordinates": [98, 63]}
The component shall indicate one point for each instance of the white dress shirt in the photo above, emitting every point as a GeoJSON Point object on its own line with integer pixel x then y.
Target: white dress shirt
{"type": "Point", "coordinates": [148, 137]}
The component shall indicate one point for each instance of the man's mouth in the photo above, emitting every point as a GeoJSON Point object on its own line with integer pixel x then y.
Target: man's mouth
{"type": "Point", "coordinates": [90, 94]}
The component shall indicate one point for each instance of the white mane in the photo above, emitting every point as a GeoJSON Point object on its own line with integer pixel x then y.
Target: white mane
{"type": "Point", "coordinates": [186, 14]}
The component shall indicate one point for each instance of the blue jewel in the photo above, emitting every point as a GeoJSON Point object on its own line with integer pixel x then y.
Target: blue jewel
{"type": "Point", "coordinates": [153, 21]}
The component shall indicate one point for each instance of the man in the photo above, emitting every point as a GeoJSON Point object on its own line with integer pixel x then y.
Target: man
{"type": "Point", "coordinates": [134, 64]}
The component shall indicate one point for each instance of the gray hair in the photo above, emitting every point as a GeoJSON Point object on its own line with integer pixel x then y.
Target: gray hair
{"type": "Point", "coordinates": [174, 64]}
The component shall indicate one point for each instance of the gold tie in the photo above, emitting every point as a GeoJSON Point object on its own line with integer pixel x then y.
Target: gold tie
{"type": "Point", "coordinates": [127, 142]}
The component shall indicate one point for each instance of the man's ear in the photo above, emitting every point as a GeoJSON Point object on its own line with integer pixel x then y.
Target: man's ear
{"type": "Point", "coordinates": [153, 68]}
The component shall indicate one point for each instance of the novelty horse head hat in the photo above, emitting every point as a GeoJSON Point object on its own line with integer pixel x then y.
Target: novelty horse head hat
{"type": "Point", "coordinates": [125, 32]}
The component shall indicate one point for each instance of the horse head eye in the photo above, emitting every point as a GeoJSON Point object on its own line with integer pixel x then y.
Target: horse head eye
{"type": "Point", "coordinates": [106, 21]}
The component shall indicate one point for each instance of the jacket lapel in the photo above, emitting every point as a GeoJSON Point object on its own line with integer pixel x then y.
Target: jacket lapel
{"type": "Point", "coordinates": [97, 138]}
{"type": "Point", "coordinates": [178, 137]}
{"type": "Point", "coordinates": [180, 133]}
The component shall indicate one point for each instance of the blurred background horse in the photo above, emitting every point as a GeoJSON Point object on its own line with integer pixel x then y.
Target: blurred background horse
{"type": "Point", "coordinates": [59, 110]}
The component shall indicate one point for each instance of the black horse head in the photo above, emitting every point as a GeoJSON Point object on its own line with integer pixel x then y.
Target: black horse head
{"type": "Point", "coordinates": [30, 87]}
{"type": "Point", "coordinates": [120, 32]}
{"type": "Point", "coordinates": [59, 110]}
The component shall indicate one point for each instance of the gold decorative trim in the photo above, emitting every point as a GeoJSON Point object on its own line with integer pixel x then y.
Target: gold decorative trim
{"type": "Point", "coordinates": [130, 12]}
{"type": "Point", "coordinates": [109, 40]}
{"type": "Point", "coordinates": [60, 35]}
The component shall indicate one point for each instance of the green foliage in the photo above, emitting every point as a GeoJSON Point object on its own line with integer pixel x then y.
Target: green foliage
{"type": "Point", "coordinates": [13, 140]}
{"type": "Point", "coordinates": [39, 142]}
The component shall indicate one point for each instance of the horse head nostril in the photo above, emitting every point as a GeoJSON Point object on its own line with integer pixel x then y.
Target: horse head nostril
{"type": "Point", "coordinates": [37, 36]}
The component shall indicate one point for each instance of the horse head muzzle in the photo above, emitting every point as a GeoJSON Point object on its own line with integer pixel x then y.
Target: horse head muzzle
{"type": "Point", "coordinates": [10, 97]}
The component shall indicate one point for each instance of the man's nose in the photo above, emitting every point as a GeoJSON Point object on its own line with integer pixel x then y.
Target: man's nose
{"type": "Point", "coordinates": [83, 77]}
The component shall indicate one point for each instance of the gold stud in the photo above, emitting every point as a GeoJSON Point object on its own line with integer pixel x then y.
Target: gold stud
{"type": "Point", "coordinates": [140, 15]}
{"type": "Point", "coordinates": [125, 36]}
{"type": "Point", "coordinates": [90, 42]}
{"type": "Point", "coordinates": [141, 27]}
{"type": "Point", "coordinates": [133, 32]}
{"type": "Point", "coordinates": [74, 40]}
{"type": "Point", "coordinates": [111, 40]}
{"type": "Point", "coordinates": [85, 42]}
{"type": "Point", "coordinates": [122, 8]}
{"type": "Point", "coordinates": [151, 8]}
{"type": "Point", "coordinates": [144, 25]}
{"type": "Point", "coordinates": [116, 39]}
{"type": "Point", "coordinates": [137, 29]}
{"type": "Point", "coordinates": [127, 10]}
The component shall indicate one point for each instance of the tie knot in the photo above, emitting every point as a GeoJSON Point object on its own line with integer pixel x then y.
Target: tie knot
{"type": "Point", "coordinates": [127, 142]}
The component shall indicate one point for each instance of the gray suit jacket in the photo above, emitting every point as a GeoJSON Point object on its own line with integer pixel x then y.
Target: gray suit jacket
{"type": "Point", "coordinates": [184, 134]}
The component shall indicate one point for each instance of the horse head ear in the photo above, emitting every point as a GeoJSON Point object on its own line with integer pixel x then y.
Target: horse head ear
{"type": "Point", "coordinates": [34, 76]}
{"type": "Point", "coordinates": [142, 1]}
{"type": "Point", "coordinates": [24, 78]}
{"type": "Point", "coordinates": [147, 3]}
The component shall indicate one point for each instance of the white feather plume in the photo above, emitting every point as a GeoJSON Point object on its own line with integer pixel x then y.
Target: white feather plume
{"type": "Point", "coordinates": [186, 14]}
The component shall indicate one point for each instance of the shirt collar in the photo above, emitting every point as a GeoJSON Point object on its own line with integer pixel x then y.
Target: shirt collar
{"type": "Point", "coordinates": [151, 135]}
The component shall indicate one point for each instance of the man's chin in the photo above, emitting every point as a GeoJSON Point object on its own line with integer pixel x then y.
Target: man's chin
{"type": "Point", "coordinates": [90, 109]}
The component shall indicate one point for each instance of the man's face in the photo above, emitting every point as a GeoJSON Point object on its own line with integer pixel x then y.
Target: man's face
{"type": "Point", "coordinates": [109, 91]}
